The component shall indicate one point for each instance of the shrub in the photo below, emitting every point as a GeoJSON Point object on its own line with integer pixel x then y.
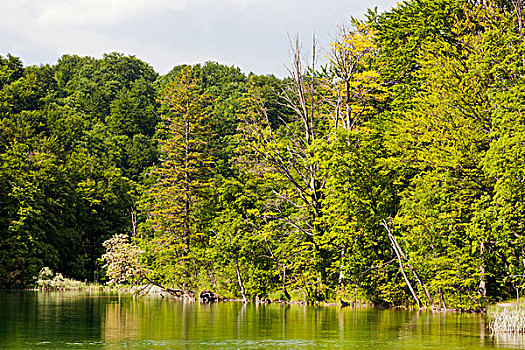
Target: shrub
{"type": "Point", "coordinates": [122, 260]}
{"type": "Point", "coordinates": [47, 280]}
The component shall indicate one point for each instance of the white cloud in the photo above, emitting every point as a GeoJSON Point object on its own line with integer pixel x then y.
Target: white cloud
{"type": "Point", "coordinates": [98, 12]}
{"type": "Point", "coordinates": [243, 4]}
{"type": "Point", "coordinates": [252, 34]}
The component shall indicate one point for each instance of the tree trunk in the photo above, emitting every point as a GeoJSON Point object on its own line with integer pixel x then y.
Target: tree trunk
{"type": "Point", "coordinates": [440, 291]}
{"type": "Point", "coordinates": [186, 188]}
{"type": "Point", "coordinates": [416, 276]}
{"type": "Point", "coordinates": [133, 223]}
{"type": "Point", "coordinates": [186, 199]}
{"type": "Point", "coordinates": [176, 292]}
{"type": "Point", "coordinates": [239, 280]}
{"type": "Point", "coordinates": [340, 280]}
{"type": "Point", "coordinates": [394, 246]}
{"type": "Point", "coordinates": [482, 289]}
{"type": "Point", "coordinates": [286, 294]}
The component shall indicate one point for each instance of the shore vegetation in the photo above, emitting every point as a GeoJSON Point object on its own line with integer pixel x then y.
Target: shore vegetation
{"type": "Point", "coordinates": [391, 172]}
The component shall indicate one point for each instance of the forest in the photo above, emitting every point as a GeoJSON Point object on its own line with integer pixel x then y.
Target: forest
{"type": "Point", "coordinates": [392, 173]}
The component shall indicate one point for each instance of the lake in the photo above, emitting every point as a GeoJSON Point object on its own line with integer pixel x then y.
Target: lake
{"type": "Point", "coordinates": [83, 320]}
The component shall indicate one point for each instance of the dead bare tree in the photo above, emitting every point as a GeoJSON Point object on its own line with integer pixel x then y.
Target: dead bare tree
{"type": "Point", "coordinates": [403, 260]}
{"type": "Point", "coordinates": [292, 158]}
{"type": "Point", "coordinates": [350, 48]}
{"type": "Point", "coordinates": [285, 151]}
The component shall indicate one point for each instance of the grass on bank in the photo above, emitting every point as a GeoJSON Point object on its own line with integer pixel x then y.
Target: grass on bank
{"type": "Point", "coordinates": [47, 280]}
{"type": "Point", "coordinates": [507, 318]}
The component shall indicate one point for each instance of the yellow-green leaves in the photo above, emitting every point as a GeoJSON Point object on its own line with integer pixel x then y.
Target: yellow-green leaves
{"type": "Point", "coordinates": [182, 178]}
{"type": "Point", "coordinates": [353, 85]}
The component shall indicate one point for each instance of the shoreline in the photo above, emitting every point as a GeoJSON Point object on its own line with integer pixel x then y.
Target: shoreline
{"type": "Point", "coordinates": [154, 290]}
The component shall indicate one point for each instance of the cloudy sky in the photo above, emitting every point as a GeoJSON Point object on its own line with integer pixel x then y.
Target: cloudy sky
{"type": "Point", "coordinates": [250, 34]}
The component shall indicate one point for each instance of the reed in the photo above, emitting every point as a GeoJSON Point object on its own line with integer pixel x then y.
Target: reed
{"type": "Point", "coordinates": [508, 319]}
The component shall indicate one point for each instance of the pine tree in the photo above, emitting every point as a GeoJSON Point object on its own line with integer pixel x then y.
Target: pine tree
{"type": "Point", "coordinates": [181, 179]}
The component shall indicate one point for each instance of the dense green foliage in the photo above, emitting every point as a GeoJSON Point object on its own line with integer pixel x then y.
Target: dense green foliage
{"type": "Point", "coordinates": [68, 174]}
{"type": "Point", "coordinates": [393, 173]}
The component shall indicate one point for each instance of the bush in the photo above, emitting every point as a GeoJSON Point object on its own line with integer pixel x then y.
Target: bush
{"type": "Point", "coordinates": [47, 280]}
{"type": "Point", "coordinates": [122, 260]}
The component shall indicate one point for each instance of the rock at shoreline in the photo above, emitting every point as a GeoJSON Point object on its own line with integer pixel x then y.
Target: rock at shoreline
{"type": "Point", "coordinates": [207, 296]}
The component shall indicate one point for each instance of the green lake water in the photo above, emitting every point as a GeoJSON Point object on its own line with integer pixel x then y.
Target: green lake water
{"type": "Point", "coordinates": [80, 320]}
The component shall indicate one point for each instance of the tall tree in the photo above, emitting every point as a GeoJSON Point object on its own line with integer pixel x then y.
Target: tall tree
{"type": "Point", "coordinates": [181, 179]}
{"type": "Point", "coordinates": [285, 156]}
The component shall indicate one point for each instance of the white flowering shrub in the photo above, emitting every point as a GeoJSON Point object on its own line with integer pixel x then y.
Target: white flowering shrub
{"type": "Point", "coordinates": [47, 280]}
{"type": "Point", "coordinates": [122, 260]}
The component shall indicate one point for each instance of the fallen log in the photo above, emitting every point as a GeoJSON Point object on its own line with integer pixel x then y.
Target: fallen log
{"type": "Point", "coordinates": [176, 292]}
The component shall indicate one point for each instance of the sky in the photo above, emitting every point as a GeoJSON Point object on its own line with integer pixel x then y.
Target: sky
{"type": "Point", "coordinates": [253, 35]}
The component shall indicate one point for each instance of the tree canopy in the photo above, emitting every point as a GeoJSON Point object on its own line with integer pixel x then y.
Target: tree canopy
{"type": "Point", "coordinates": [392, 173]}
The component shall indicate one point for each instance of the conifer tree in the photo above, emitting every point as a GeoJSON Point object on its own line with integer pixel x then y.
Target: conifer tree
{"type": "Point", "coordinates": [181, 179]}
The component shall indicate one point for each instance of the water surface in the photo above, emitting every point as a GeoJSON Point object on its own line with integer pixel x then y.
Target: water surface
{"type": "Point", "coordinates": [83, 320]}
